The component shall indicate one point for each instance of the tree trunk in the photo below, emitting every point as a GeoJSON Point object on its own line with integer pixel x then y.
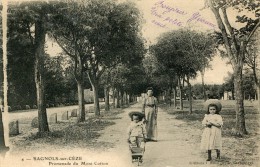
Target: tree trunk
{"type": "Point", "coordinates": [174, 97]}
{"type": "Point", "coordinates": [180, 89]}
{"type": "Point", "coordinates": [106, 90]}
{"type": "Point", "coordinates": [94, 80]}
{"type": "Point", "coordinates": [232, 94]}
{"type": "Point", "coordinates": [240, 113]}
{"type": "Point", "coordinates": [130, 99]}
{"type": "Point", "coordinates": [114, 98]}
{"type": "Point", "coordinates": [170, 98]}
{"type": "Point", "coordinates": [79, 73]}
{"type": "Point", "coordinates": [81, 101]}
{"type": "Point", "coordinates": [203, 85]}
{"type": "Point", "coordinates": [190, 96]}
{"type": "Point", "coordinates": [121, 99]}
{"type": "Point", "coordinates": [3, 147]}
{"type": "Point", "coordinates": [39, 76]}
{"type": "Point", "coordinates": [117, 98]}
{"type": "Point", "coordinates": [96, 100]}
{"type": "Point", "coordinates": [258, 95]}
{"type": "Point", "coordinates": [127, 99]}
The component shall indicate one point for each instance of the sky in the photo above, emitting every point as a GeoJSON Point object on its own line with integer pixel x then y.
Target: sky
{"type": "Point", "coordinates": [165, 15]}
{"type": "Point", "coordinates": [168, 13]}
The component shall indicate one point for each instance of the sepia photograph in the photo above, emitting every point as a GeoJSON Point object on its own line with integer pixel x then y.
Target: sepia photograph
{"type": "Point", "coordinates": [126, 83]}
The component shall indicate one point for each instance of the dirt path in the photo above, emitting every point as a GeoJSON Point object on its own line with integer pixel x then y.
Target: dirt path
{"type": "Point", "coordinates": [173, 148]}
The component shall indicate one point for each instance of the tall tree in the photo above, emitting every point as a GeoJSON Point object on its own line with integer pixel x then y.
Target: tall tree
{"type": "Point", "coordinates": [20, 59]}
{"type": "Point", "coordinates": [164, 78]}
{"type": "Point", "coordinates": [183, 51]}
{"type": "Point", "coordinates": [3, 147]}
{"type": "Point", "coordinates": [69, 29]}
{"type": "Point", "coordinates": [236, 41]}
{"type": "Point", "coordinates": [123, 25]}
{"type": "Point", "coordinates": [90, 32]}
{"type": "Point", "coordinates": [33, 17]}
{"type": "Point", "coordinates": [200, 48]}
{"type": "Point", "coordinates": [203, 48]}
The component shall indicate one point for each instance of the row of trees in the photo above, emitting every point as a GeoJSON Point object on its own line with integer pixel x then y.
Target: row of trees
{"type": "Point", "coordinates": [236, 41]}
{"type": "Point", "coordinates": [187, 52]}
{"type": "Point", "coordinates": [102, 40]}
{"type": "Point", "coordinates": [104, 48]}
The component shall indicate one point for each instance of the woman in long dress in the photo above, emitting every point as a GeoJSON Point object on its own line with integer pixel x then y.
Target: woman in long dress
{"type": "Point", "coordinates": [150, 110]}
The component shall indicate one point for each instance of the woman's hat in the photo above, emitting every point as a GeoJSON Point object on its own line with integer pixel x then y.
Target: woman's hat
{"type": "Point", "coordinates": [213, 101]}
{"type": "Point", "coordinates": [138, 113]}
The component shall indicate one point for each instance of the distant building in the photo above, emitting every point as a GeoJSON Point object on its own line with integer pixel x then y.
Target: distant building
{"type": "Point", "coordinates": [227, 95]}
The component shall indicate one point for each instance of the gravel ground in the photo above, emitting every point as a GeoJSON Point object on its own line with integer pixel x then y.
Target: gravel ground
{"type": "Point", "coordinates": [177, 146]}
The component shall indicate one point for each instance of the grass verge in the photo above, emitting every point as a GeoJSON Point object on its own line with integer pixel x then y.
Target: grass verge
{"type": "Point", "coordinates": [237, 151]}
{"type": "Point", "coordinates": [64, 134]}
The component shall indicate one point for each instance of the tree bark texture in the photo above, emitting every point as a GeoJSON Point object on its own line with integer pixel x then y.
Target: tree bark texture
{"type": "Point", "coordinates": [79, 73]}
{"type": "Point", "coordinates": [81, 101]}
{"type": "Point", "coordinates": [2, 136]}
{"type": "Point", "coordinates": [203, 85]}
{"type": "Point", "coordinates": [106, 90]}
{"type": "Point", "coordinates": [114, 98]}
{"type": "Point", "coordinates": [170, 94]}
{"type": "Point", "coordinates": [95, 86]}
{"type": "Point", "coordinates": [118, 99]}
{"type": "Point", "coordinates": [40, 33]}
{"type": "Point", "coordinates": [174, 97]}
{"type": "Point", "coordinates": [236, 53]}
{"type": "Point", "coordinates": [190, 96]}
{"type": "Point", "coordinates": [96, 100]}
{"type": "Point", "coordinates": [180, 90]}
{"type": "Point", "coordinates": [240, 113]}
{"type": "Point", "coordinates": [121, 98]}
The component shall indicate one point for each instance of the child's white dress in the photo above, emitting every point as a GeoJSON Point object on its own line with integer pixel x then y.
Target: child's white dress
{"type": "Point", "coordinates": [211, 136]}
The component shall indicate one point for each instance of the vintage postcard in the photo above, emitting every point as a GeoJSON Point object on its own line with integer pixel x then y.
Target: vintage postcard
{"type": "Point", "coordinates": [122, 83]}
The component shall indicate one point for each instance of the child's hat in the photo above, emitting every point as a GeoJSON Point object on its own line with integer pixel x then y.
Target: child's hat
{"type": "Point", "coordinates": [140, 114]}
{"type": "Point", "coordinates": [213, 101]}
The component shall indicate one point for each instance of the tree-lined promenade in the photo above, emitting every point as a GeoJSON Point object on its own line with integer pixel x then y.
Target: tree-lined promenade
{"type": "Point", "coordinates": [103, 49]}
{"type": "Point", "coordinates": [106, 137]}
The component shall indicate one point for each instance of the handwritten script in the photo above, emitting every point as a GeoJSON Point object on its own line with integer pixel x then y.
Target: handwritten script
{"type": "Point", "coordinates": [166, 15]}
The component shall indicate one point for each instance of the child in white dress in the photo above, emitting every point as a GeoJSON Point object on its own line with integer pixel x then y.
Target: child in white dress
{"type": "Point", "coordinates": [211, 136]}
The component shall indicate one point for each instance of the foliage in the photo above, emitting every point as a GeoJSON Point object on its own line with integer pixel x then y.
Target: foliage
{"type": "Point", "coordinates": [60, 83]}
{"type": "Point", "coordinates": [98, 35]}
{"type": "Point", "coordinates": [184, 51]}
{"type": "Point", "coordinates": [249, 85]}
{"type": "Point", "coordinates": [212, 91]}
{"type": "Point", "coordinates": [20, 63]}
{"type": "Point", "coordinates": [229, 82]}
{"type": "Point", "coordinates": [235, 40]}
{"type": "Point", "coordinates": [94, 34]}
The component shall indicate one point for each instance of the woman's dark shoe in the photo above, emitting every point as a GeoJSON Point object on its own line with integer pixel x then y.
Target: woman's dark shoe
{"type": "Point", "coordinates": [147, 140]}
{"type": "Point", "coordinates": [218, 154]}
{"type": "Point", "coordinates": [153, 140]}
{"type": "Point", "coordinates": [209, 155]}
